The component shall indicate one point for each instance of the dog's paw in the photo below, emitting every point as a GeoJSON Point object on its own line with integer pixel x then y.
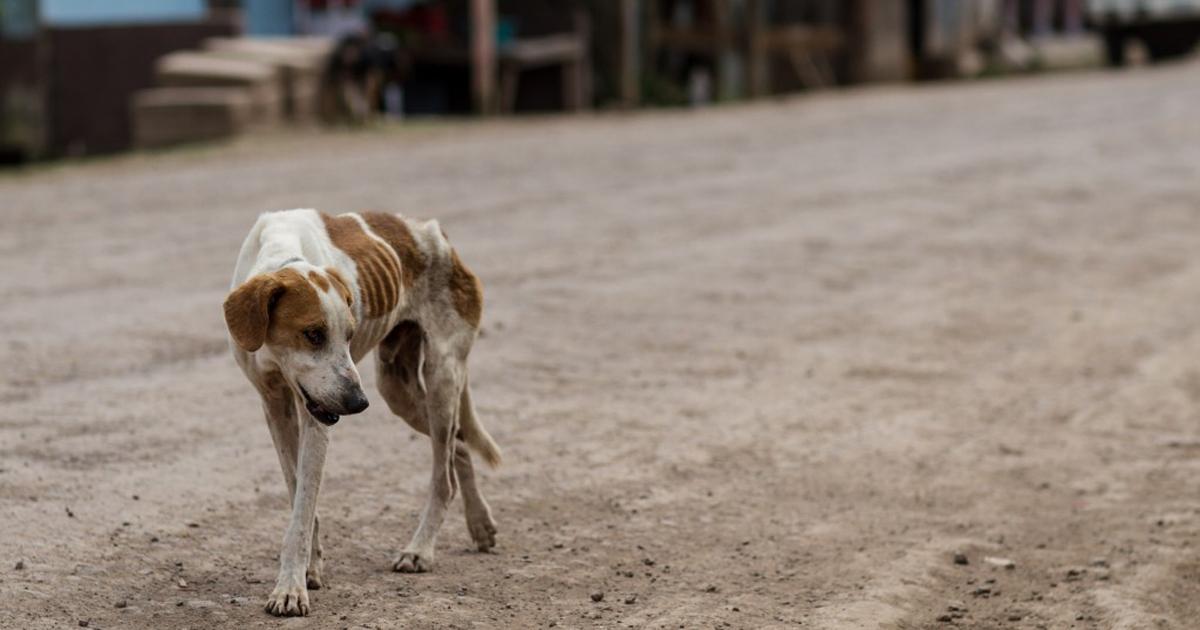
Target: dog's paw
{"type": "Point", "coordinates": [483, 531]}
{"type": "Point", "coordinates": [413, 562]}
{"type": "Point", "coordinates": [289, 599]}
{"type": "Point", "coordinates": [316, 568]}
{"type": "Point", "coordinates": [313, 578]}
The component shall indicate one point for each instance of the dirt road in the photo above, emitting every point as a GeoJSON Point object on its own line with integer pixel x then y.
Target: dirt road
{"type": "Point", "coordinates": [762, 366]}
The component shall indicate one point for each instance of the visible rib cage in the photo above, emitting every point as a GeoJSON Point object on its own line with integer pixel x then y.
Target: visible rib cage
{"type": "Point", "coordinates": [378, 265]}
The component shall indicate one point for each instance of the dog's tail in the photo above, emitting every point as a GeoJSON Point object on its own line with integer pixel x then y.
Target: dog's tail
{"type": "Point", "coordinates": [473, 432]}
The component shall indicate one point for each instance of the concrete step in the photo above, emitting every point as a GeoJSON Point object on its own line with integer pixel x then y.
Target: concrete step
{"type": "Point", "coordinates": [299, 69]}
{"type": "Point", "coordinates": [261, 81]}
{"type": "Point", "coordinates": [177, 115]}
{"type": "Point", "coordinates": [275, 50]}
{"type": "Point", "coordinates": [198, 68]}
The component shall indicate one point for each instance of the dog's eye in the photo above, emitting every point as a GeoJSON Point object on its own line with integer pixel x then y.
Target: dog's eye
{"type": "Point", "coordinates": [315, 336]}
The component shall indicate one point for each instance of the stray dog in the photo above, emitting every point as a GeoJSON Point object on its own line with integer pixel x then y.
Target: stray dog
{"type": "Point", "coordinates": [312, 294]}
{"type": "Point", "coordinates": [356, 76]}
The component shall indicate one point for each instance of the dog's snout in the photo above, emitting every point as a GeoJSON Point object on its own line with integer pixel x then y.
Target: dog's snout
{"type": "Point", "coordinates": [355, 401]}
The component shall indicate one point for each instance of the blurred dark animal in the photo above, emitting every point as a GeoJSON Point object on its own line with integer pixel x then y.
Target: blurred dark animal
{"type": "Point", "coordinates": [355, 76]}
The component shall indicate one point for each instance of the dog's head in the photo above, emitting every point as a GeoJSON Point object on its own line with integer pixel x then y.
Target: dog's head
{"type": "Point", "coordinates": [301, 315]}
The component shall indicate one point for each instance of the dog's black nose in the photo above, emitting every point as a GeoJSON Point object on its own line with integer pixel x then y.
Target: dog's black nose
{"type": "Point", "coordinates": [355, 401]}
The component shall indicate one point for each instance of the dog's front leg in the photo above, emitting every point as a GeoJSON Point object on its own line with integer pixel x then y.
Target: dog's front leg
{"type": "Point", "coordinates": [290, 596]}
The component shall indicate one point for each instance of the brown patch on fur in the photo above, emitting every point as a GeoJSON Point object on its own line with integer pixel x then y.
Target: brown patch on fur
{"type": "Point", "coordinates": [248, 310]}
{"type": "Point", "coordinates": [466, 292]}
{"type": "Point", "coordinates": [318, 280]}
{"type": "Point", "coordinates": [272, 306]}
{"type": "Point", "coordinates": [379, 274]}
{"type": "Point", "coordinates": [392, 229]}
{"type": "Point", "coordinates": [297, 309]}
{"type": "Point", "coordinates": [339, 282]}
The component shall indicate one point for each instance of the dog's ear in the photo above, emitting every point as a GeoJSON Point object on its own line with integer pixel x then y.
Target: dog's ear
{"type": "Point", "coordinates": [248, 310]}
{"type": "Point", "coordinates": [339, 282]}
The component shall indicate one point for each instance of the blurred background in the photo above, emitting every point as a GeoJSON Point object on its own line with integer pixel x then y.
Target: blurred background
{"type": "Point", "coordinates": [79, 77]}
{"type": "Point", "coordinates": [839, 314]}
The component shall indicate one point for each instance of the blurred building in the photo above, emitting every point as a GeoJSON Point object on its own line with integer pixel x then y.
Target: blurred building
{"type": "Point", "coordinates": [85, 76]}
{"type": "Point", "coordinates": [68, 68]}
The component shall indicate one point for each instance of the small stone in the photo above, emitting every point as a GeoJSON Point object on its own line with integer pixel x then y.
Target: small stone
{"type": "Point", "coordinates": [960, 558]}
{"type": "Point", "coordinates": [19, 566]}
{"type": "Point", "coordinates": [632, 599]}
{"type": "Point", "coordinates": [83, 623]}
{"type": "Point", "coordinates": [71, 514]}
{"type": "Point", "coordinates": [945, 619]}
{"type": "Point", "coordinates": [1003, 563]}
{"type": "Point", "coordinates": [711, 588]}
{"type": "Point", "coordinates": [121, 604]}
{"type": "Point", "coordinates": [154, 539]}
{"type": "Point", "coordinates": [597, 597]}
{"type": "Point", "coordinates": [136, 498]}
{"type": "Point", "coordinates": [182, 583]}
{"type": "Point", "coordinates": [1014, 617]}
{"type": "Point", "coordinates": [648, 562]}
{"type": "Point", "coordinates": [193, 525]}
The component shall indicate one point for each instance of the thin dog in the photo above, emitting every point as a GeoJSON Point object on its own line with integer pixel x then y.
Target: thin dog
{"type": "Point", "coordinates": [311, 296]}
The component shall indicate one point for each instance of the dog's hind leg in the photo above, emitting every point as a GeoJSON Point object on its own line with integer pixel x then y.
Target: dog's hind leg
{"type": "Point", "coordinates": [423, 384]}
{"type": "Point", "coordinates": [479, 515]}
{"type": "Point", "coordinates": [444, 376]}
{"type": "Point", "coordinates": [279, 406]}
{"type": "Point", "coordinates": [397, 384]}
{"type": "Point", "coordinates": [401, 370]}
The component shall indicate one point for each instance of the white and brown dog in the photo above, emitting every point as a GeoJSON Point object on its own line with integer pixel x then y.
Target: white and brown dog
{"type": "Point", "coordinates": [312, 294]}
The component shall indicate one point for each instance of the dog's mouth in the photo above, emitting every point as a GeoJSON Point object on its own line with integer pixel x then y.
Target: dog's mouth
{"type": "Point", "coordinates": [323, 415]}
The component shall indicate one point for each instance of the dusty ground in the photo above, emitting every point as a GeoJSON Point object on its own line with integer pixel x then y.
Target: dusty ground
{"type": "Point", "coordinates": [764, 366]}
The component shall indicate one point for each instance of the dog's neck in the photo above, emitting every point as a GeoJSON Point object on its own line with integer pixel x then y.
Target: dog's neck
{"type": "Point", "coordinates": [293, 259]}
{"type": "Point", "coordinates": [280, 246]}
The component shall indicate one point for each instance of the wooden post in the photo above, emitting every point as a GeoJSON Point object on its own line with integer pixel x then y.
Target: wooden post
{"type": "Point", "coordinates": [758, 64]}
{"type": "Point", "coordinates": [483, 55]}
{"type": "Point", "coordinates": [631, 53]}
{"type": "Point", "coordinates": [858, 40]}
{"type": "Point", "coordinates": [727, 58]}
{"type": "Point", "coordinates": [877, 41]}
